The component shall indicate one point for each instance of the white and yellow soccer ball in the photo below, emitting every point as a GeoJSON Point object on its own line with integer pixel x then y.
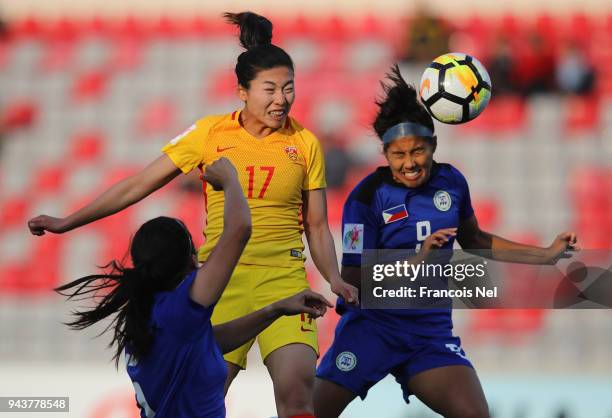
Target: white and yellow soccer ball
{"type": "Point", "coordinates": [455, 88]}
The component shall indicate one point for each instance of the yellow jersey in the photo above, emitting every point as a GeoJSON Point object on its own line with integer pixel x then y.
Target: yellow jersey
{"type": "Point", "coordinates": [273, 172]}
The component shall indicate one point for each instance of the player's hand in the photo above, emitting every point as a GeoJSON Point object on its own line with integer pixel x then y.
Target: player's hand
{"type": "Point", "coordinates": [306, 301]}
{"type": "Point", "coordinates": [341, 288]}
{"type": "Point", "coordinates": [42, 223]}
{"type": "Point", "coordinates": [437, 240]}
{"type": "Point", "coordinates": [561, 247]}
{"type": "Point", "coordinates": [219, 173]}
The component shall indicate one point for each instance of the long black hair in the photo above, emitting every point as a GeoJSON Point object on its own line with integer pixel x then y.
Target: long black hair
{"type": "Point", "coordinates": [260, 54]}
{"type": "Point", "coordinates": [162, 253]}
{"type": "Point", "coordinates": [400, 104]}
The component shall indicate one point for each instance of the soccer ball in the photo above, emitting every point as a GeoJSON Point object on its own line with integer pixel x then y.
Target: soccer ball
{"type": "Point", "coordinates": [455, 88]}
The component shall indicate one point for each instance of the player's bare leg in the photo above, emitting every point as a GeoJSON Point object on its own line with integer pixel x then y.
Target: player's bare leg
{"type": "Point", "coordinates": [451, 391]}
{"type": "Point", "coordinates": [292, 369]}
{"type": "Point", "coordinates": [330, 399]}
{"type": "Point", "coordinates": [232, 372]}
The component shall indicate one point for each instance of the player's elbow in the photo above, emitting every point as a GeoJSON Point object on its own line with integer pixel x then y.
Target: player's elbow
{"type": "Point", "coordinates": [245, 232]}
{"type": "Point", "coordinates": [240, 230]}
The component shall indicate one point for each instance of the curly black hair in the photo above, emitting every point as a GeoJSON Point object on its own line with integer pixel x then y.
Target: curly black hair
{"type": "Point", "coordinates": [399, 104]}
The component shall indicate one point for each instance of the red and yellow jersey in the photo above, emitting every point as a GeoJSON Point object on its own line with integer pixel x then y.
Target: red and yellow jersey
{"type": "Point", "coordinates": [273, 172]}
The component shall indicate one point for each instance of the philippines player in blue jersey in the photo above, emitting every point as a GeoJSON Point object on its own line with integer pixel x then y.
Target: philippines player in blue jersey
{"type": "Point", "coordinates": [413, 203]}
{"type": "Point", "coordinates": [163, 306]}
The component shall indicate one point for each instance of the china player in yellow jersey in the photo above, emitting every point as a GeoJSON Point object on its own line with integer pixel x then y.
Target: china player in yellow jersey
{"type": "Point", "coordinates": [281, 169]}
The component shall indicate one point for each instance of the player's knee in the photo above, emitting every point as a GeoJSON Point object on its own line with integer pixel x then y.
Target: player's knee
{"type": "Point", "coordinates": [295, 399]}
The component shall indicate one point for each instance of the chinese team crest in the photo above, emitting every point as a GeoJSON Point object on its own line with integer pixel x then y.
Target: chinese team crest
{"type": "Point", "coordinates": [292, 152]}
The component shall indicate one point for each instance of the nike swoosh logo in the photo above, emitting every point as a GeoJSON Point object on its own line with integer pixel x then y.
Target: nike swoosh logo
{"type": "Point", "coordinates": [223, 149]}
{"type": "Point", "coordinates": [306, 330]}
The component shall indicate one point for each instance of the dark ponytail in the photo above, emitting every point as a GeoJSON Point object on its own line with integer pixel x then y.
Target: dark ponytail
{"type": "Point", "coordinates": [400, 104]}
{"type": "Point", "coordinates": [255, 30]}
{"type": "Point", "coordinates": [161, 251]}
{"type": "Point", "coordinates": [260, 54]}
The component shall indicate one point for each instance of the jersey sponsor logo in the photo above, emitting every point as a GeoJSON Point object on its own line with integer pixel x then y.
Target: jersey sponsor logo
{"type": "Point", "coordinates": [454, 348]}
{"type": "Point", "coordinates": [346, 361]}
{"type": "Point", "coordinates": [442, 200]}
{"type": "Point", "coordinates": [292, 153]}
{"type": "Point", "coordinates": [394, 214]}
{"type": "Point", "coordinates": [181, 136]}
{"type": "Point", "coordinates": [352, 239]}
{"type": "Point", "coordinates": [296, 253]}
{"type": "Point", "coordinates": [219, 149]}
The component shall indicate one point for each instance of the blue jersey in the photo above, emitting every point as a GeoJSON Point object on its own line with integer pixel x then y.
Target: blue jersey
{"type": "Point", "coordinates": [184, 372]}
{"type": "Point", "coordinates": [383, 214]}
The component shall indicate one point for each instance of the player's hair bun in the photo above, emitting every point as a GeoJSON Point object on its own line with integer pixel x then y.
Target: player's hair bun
{"type": "Point", "coordinates": [255, 30]}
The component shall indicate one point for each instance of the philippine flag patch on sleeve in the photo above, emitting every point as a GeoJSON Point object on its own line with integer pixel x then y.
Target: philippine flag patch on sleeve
{"type": "Point", "coordinates": [352, 239]}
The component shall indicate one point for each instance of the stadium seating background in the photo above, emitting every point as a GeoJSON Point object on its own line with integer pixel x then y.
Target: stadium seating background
{"type": "Point", "coordinates": [94, 99]}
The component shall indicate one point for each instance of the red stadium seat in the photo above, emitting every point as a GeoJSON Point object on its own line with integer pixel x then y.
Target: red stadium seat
{"type": "Point", "coordinates": [168, 28]}
{"type": "Point", "coordinates": [504, 114]}
{"type": "Point", "coordinates": [66, 29]}
{"type": "Point", "coordinates": [134, 28]}
{"type": "Point", "coordinates": [98, 26]}
{"type": "Point", "coordinates": [547, 27]}
{"type": "Point", "coordinates": [157, 116]}
{"type": "Point", "coordinates": [58, 56]}
{"type": "Point", "coordinates": [29, 27]}
{"type": "Point", "coordinates": [39, 273]}
{"type": "Point", "coordinates": [89, 86]}
{"type": "Point", "coordinates": [189, 208]}
{"type": "Point", "coordinates": [44, 272]}
{"type": "Point", "coordinates": [513, 325]}
{"type": "Point", "coordinates": [591, 192]}
{"type": "Point", "coordinates": [222, 85]}
{"type": "Point", "coordinates": [582, 114]}
{"type": "Point", "coordinates": [14, 211]}
{"type": "Point", "coordinates": [12, 277]}
{"type": "Point", "coordinates": [580, 28]}
{"type": "Point", "coordinates": [335, 202]}
{"type": "Point", "coordinates": [5, 52]}
{"type": "Point", "coordinates": [49, 179]}
{"type": "Point", "coordinates": [87, 146]}
{"type": "Point", "coordinates": [487, 213]}
{"type": "Point", "coordinates": [511, 25]}
{"type": "Point", "coordinates": [19, 113]}
{"type": "Point", "coordinates": [126, 54]}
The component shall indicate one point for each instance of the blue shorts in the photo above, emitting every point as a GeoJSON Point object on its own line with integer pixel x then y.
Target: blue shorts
{"type": "Point", "coordinates": [363, 353]}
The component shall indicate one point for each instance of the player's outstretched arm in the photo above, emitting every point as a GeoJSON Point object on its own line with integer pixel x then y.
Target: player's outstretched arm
{"type": "Point", "coordinates": [471, 237]}
{"type": "Point", "coordinates": [113, 200]}
{"type": "Point", "coordinates": [321, 243]}
{"type": "Point", "coordinates": [216, 271]}
{"type": "Point", "coordinates": [233, 334]}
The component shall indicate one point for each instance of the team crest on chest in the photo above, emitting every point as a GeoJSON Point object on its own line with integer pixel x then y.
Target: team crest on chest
{"type": "Point", "coordinates": [292, 152]}
{"type": "Point", "coordinates": [442, 200]}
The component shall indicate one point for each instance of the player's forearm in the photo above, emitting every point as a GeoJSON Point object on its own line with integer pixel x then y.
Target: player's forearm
{"type": "Point", "coordinates": [115, 199]}
{"type": "Point", "coordinates": [323, 251]}
{"type": "Point", "coordinates": [509, 251]}
{"type": "Point", "coordinates": [236, 213]}
{"type": "Point", "coordinates": [233, 334]}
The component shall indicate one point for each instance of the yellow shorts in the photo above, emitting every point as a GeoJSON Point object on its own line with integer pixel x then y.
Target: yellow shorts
{"type": "Point", "coordinates": [253, 287]}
